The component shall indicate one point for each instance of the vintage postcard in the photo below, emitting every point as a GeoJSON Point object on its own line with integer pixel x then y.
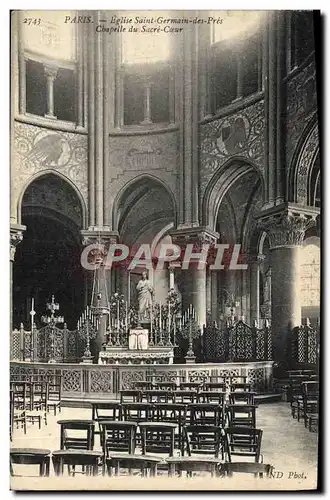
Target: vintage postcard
{"type": "Point", "coordinates": [165, 250]}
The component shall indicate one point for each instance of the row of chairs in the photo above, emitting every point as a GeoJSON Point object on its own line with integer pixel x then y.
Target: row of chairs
{"type": "Point", "coordinates": [179, 396]}
{"type": "Point", "coordinates": [305, 404]}
{"type": "Point", "coordinates": [223, 384]}
{"type": "Point", "coordinates": [146, 465]}
{"type": "Point", "coordinates": [32, 401]}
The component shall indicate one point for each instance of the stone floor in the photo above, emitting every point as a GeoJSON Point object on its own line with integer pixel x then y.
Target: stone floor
{"type": "Point", "coordinates": [286, 444]}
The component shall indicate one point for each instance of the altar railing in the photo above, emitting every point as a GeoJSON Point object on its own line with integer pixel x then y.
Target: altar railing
{"type": "Point", "coordinates": [305, 345]}
{"type": "Point", "coordinates": [106, 381]}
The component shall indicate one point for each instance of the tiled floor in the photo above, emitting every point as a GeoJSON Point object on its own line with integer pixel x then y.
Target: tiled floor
{"type": "Point", "coordinates": [286, 444]}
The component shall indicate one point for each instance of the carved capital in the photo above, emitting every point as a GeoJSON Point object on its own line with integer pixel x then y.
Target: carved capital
{"type": "Point", "coordinates": [92, 237]}
{"type": "Point", "coordinates": [50, 71]}
{"type": "Point", "coordinates": [195, 235]}
{"type": "Point", "coordinates": [16, 236]}
{"type": "Point", "coordinates": [287, 228]}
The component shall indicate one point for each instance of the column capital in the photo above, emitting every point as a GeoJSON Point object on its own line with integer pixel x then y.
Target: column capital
{"type": "Point", "coordinates": [16, 236]}
{"type": "Point", "coordinates": [104, 237]}
{"type": "Point", "coordinates": [50, 71]}
{"type": "Point", "coordinates": [198, 235]}
{"type": "Point", "coordinates": [287, 226]}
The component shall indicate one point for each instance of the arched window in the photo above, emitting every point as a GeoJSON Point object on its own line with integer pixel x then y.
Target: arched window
{"type": "Point", "coordinates": [236, 57]}
{"type": "Point", "coordinates": [49, 45]}
{"type": "Point", "coordinates": [310, 274]}
{"type": "Point", "coordinates": [145, 69]}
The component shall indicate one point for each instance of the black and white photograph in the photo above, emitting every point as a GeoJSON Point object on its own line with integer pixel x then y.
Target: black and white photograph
{"type": "Point", "coordinates": [165, 248]}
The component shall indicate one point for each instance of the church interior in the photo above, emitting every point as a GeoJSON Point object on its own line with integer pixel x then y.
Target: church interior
{"type": "Point", "coordinates": [203, 133]}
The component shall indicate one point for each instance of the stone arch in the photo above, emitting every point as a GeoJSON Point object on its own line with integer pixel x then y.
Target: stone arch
{"type": "Point", "coordinates": [53, 173]}
{"type": "Point", "coordinates": [138, 182]}
{"type": "Point", "coordinates": [302, 163]}
{"type": "Point", "coordinates": [220, 183]}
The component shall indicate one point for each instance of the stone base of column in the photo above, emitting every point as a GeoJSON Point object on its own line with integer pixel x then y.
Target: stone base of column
{"type": "Point", "coordinates": [86, 360]}
{"type": "Point", "coordinates": [190, 358]}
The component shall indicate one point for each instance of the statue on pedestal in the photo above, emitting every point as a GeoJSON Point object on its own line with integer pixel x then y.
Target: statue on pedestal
{"type": "Point", "coordinates": [145, 293]}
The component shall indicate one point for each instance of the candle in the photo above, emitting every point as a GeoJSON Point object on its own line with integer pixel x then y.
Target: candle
{"type": "Point", "coordinates": [169, 316]}
{"type": "Point", "coordinates": [160, 315]}
{"type": "Point", "coordinates": [126, 315]}
{"type": "Point", "coordinates": [118, 314]}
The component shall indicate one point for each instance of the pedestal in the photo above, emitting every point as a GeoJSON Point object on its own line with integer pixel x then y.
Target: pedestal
{"type": "Point", "coordinates": [86, 360]}
{"type": "Point", "coordinates": [190, 358]}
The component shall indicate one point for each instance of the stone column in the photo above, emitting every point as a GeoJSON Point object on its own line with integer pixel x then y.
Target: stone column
{"type": "Point", "coordinates": [195, 279]}
{"type": "Point", "coordinates": [255, 288]}
{"type": "Point", "coordinates": [16, 236]}
{"type": "Point", "coordinates": [51, 73]}
{"type": "Point", "coordinates": [286, 231]}
{"type": "Point", "coordinates": [100, 280]}
{"type": "Point", "coordinates": [147, 103]}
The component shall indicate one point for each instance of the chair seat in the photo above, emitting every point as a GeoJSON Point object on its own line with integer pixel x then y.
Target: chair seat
{"type": "Point", "coordinates": [179, 460]}
{"type": "Point", "coordinates": [29, 452]}
{"type": "Point", "coordinates": [137, 458]}
{"type": "Point", "coordinates": [77, 453]}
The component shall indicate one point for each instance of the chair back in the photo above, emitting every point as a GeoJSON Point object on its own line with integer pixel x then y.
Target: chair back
{"type": "Point", "coordinates": [242, 398]}
{"type": "Point", "coordinates": [211, 397]}
{"type": "Point", "coordinates": [77, 434]}
{"type": "Point", "coordinates": [118, 436]}
{"type": "Point", "coordinates": [136, 412]}
{"type": "Point", "coordinates": [204, 440]}
{"type": "Point", "coordinates": [204, 414]}
{"type": "Point", "coordinates": [107, 411]}
{"type": "Point", "coordinates": [185, 396]}
{"type": "Point", "coordinates": [215, 386]}
{"type": "Point", "coordinates": [166, 386]}
{"type": "Point", "coordinates": [190, 386]}
{"type": "Point", "coordinates": [241, 415]}
{"type": "Point", "coordinates": [240, 387]}
{"type": "Point", "coordinates": [127, 396]}
{"type": "Point", "coordinates": [157, 396]}
{"type": "Point", "coordinates": [243, 442]}
{"type": "Point", "coordinates": [158, 437]}
{"type": "Point", "coordinates": [143, 385]}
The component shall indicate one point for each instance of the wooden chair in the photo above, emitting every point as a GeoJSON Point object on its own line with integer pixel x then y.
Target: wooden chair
{"type": "Point", "coordinates": [130, 396]}
{"type": "Point", "coordinates": [204, 440]}
{"type": "Point", "coordinates": [107, 410]}
{"type": "Point", "coordinates": [190, 386]}
{"type": "Point", "coordinates": [242, 398]}
{"type": "Point", "coordinates": [185, 397]}
{"type": "Point", "coordinates": [240, 387]}
{"type": "Point", "coordinates": [173, 413]}
{"type": "Point", "coordinates": [158, 437]}
{"type": "Point", "coordinates": [147, 465]}
{"type": "Point", "coordinates": [18, 405]}
{"type": "Point", "coordinates": [118, 437]}
{"type": "Point", "coordinates": [30, 456]}
{"type": "Point", "coordinates": [143, 385]}
{"type": "Point", "coordinates": [204, 414]}
{"type": "Point", "coordinates": [77, 434]}
{"type": "Point", "coordinates": [259, 470]}
{"type": "Point", "coordinates": [37, 407]}
{"type": "Point", "coordinates": [215, 386]}
{"type": "Point", "coordinates": [136, 412]}
{"type": "Point", "coordinates": [243, 442]}
{"type": "Point", "coordinates": [177, 465]}
{"type": "Point", "coordinates": [54, 394]}
{"type": "Point", "coordinates": [310, 401]}
{"type": "Point", "coordinates": [166, 386]}
{"type": "Point", "coordinates": [157, 396]}
{"type": "Point", "coordinates": [89, 460]}
{"type": "Point", "coordinates": [212, 397]}
{"type": "Point", "coordinates": [241, 415]}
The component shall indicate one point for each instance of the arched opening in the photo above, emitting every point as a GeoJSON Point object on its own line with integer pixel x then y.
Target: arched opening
{"type": "Point", "coordinates": [310, 279]}
{"type": "Point", "coordinates": [48, 259]}
{"type": "Point", "coordinates": [146, 213]}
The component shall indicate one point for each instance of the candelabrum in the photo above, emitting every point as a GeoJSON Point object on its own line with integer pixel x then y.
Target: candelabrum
{"type": "Point", "coordinates": [87, 331]}
{"type": "Point", "coordinates": [52, 321]}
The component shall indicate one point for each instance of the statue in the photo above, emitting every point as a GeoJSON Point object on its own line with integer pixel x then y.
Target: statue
{"type": "Point", "coordinates": [145, 293]}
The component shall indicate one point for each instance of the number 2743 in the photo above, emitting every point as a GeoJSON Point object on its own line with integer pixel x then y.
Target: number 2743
{"type": "Point", "coordinates": [32, 20]}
